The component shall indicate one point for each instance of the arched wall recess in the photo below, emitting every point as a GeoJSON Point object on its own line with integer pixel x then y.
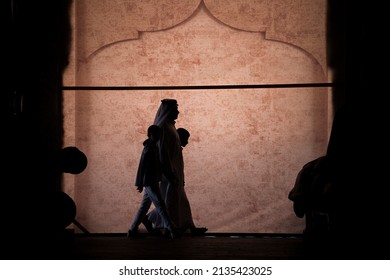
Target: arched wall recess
{"type": "Point", "coordinates": [299, 23]}
{"type": "Point", "coordinates": [98, 29]}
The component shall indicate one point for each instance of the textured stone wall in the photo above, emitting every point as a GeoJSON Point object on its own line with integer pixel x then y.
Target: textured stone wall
{"type": "Point", "coordinates": [246, 145]}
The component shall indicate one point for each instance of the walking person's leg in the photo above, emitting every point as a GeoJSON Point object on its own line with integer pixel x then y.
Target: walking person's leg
{"type": "Point", "coordinates": [145, 204]}
{"type": "Point", "coordinates": [157, 200]}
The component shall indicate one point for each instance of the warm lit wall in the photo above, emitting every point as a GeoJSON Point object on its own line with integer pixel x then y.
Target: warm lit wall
{"type": "Point", "coordinates": [246, 145]}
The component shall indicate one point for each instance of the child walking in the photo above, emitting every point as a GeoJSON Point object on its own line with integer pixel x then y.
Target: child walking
{"type": "Point", "coordinates": [147, 180]}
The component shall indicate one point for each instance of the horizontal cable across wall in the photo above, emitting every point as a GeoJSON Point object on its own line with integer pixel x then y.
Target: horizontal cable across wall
{"type": "Point", "coordinates": [197, 87]}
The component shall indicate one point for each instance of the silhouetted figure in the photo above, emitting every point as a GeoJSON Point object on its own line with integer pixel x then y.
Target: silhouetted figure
{"type": "Point", "coordinates": [184, 135]}
{"type": "Point", "coordinates": [147, 180]}
{"type": "Point", "coordinates": [170, 160]}
{"type": "Point", "coordinates": [188, 222]}
{"type": "Point", "coordinates": [172, 165]}
{"type": "Point", "coordinates": [312, 196]}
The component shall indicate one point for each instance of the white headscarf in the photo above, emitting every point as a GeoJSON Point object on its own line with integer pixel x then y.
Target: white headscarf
{"type": "Point", "coordinates": [166, 107]}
